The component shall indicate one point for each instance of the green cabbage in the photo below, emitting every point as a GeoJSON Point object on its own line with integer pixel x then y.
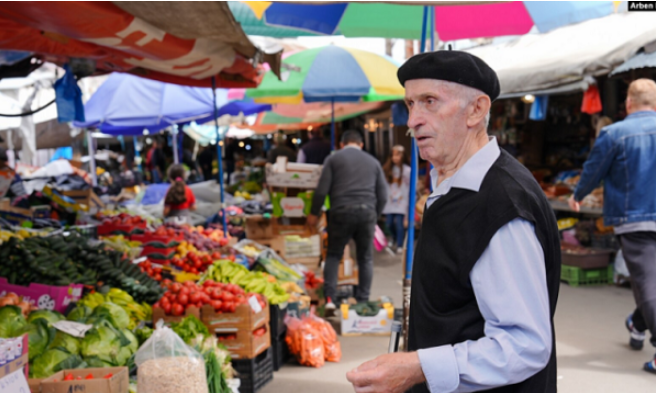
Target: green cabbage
{"type": "Point", "coordinates": [102, 342]}
{"type": "Point", "coordinates": [143, 334]}
{"type": "Point", "coordinates": [79, 314]}
{"type": "Point", "coordinates": [65, 342]}
{"type": "Point", "coordinates": [112, 313]}
{"type": "Point", "coordinates": [12, 322]}
{"type": "Point", "coordinates": [39, 336]}
{"type": "Point", "coordinates": [52, 361]}
{"type": "Point", "coordinates": [128, 350]}
{"type": "Point", "coordinates": [95, 362]}
{"type": "Point", "coordinates": [50, 316]}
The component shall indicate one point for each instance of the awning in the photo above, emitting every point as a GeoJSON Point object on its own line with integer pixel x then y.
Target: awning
{"type": "Point", "coordinates": [641, 60]}
{"type": "Point", "coordinates": [177, 42]}
{"type": "Point", "coordinates": [565, 56]}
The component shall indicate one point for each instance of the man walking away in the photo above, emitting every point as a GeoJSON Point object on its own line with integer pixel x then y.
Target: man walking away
{"type": "Point", "coordinates": [356, 185]}
{"type": "Point", "coordinates": [624, 158]}
{"type": "Point", "coordinates": [281, 149]}
{"type": "Point", "coordinates": [316, 150]}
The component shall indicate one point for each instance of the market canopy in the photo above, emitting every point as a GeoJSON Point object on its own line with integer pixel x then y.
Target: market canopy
{"type": "Point", "coordinates": [392, 20]}
{"type": "Point", "coordinates": [126, 105]}
{"type": "Point", "coordinates": [179, 42]}
{"type": "Point", "coordinates": [644, 59]}
{"type": "Point", "coordinates": [568, 55]}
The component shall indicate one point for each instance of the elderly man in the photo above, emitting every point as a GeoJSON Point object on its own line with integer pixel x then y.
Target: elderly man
{"type": "Point", "coordinates": [487, 266]}
{"type": "Point", "coordinates": [624, 158]}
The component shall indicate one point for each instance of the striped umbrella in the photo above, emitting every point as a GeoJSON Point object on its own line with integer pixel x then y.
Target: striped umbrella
{"type": "Point", "coordinates": [331, 74]}
{"type": "Point", "coordinates": [377, 19]}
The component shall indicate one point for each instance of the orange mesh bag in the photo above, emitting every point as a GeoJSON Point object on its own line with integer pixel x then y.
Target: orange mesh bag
{"type": "Point", "coordinates": [331, 346]}
{"type": "Point", "coordinates": [305, 342]}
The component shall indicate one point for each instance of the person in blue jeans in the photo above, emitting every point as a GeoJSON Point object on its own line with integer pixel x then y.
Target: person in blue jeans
{"type": "Point", "coordinates": [624, 158]}
{"type": "Point", "coordinates": [397, 174]}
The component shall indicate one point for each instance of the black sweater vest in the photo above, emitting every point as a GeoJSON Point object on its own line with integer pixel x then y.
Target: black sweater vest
{"type": "Point", "coordinates": [456, 229]}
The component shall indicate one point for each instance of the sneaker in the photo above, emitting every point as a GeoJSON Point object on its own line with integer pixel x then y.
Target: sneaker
{"type": "Point", "coordinates": [399, 251]}
{"type": "Point", "coordinates": [330, 305]}
{"type": "Point", "coordinates": [637, 339]}
{"type": "Point", "coordinates": [389, 251]}
{"type": "Point", "coordinates": [650, 367]}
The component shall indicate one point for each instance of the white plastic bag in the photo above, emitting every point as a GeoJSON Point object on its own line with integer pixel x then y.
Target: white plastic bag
{"type": "Point", "coordinates": [168, 365]}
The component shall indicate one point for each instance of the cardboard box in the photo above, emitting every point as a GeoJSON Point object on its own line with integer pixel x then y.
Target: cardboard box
{"type": "Point", "coordinates": [302, 246]}
{"type": "Point", "coordinates": [243, 317]}
{"type": "Point", "coordinates": [258, 227]}
{"type": "Point", "coordinates": [118, 383]}
{"type": "Point", "coordinates": [35, 384]}
{"type": "Point", "coordinates": [45, 297]}
{"type": "Point", "coordinates": [354, 324]}
{"type": "Point", "coordinates": [348, 271]}
{"type": "Point", "coordinates": [158, 313]}
{"type": "Point", "coordinates": [14, 365]}
{"type": "Point", "coordinates": [294, 176]}
{"type": "Point", "coordinates": [277, 244]}
{"type": "Point", "coordinates": [313, 264]}
{"type": "Point", "coordinates": [246, 345]}
{"type": "Point", "coordinates": [85, 197]}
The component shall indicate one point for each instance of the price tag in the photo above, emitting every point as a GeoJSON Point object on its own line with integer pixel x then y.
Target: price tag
{"type": "Point", "coordinates": [255, 305]}
{"type": "Point", "coordinates": [139, 260]}
{"type": "Point", "coordinates": [75, 329]}
{"type": "Point", "coordinates": [14, 383]}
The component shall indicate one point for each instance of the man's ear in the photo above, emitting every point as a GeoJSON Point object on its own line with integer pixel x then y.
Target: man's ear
{"type": "Point", "coordinates": [341, 145]}
{"type": "Point", "coordinates": [478, 110]}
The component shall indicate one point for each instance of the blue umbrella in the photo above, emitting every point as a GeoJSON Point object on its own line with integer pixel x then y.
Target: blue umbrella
{"type": "Point", "coordinates": [126, 105]}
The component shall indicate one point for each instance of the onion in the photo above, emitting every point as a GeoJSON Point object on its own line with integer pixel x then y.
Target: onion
{"type": "Point", "coordinates": [13, 298]}
{"type": "Point", "coordinates": [25, 307]}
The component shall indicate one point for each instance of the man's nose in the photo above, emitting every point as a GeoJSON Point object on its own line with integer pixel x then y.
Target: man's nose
{"type": "Point", "coordinates": [415, 120]}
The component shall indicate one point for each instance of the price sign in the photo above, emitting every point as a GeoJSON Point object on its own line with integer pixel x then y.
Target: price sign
{"type": "Point", "coordinates": [14, 383]}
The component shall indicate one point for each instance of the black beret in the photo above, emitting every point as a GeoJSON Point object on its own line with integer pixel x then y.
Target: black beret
{"type": "Point", "coordinates": [453, 66]}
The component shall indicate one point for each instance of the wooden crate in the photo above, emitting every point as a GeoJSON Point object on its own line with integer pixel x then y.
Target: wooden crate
{"type": "Point", "coordinates": [158, 313]}
{"type": "Point", "coordinates": [243, 317]}
{"type": "Point", "coordinates": [246, 345]}
{"type": "Point", "coordinates": [85, 197]}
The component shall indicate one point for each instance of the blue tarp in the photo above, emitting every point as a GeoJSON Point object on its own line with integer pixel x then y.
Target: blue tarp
{"type": "Point", "coordinates": [126, 105]}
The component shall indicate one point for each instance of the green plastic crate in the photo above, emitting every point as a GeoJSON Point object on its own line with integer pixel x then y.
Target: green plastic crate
{"type": "Point", "coordinates": [575, 276]}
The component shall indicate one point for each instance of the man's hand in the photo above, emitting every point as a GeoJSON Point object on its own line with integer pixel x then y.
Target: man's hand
{"type": "Point", "coordinates": [311, 221]}
{"type": "Point", "coordinates": [390, 373]}
{"type": "Point", "coordinates": [573, 204]}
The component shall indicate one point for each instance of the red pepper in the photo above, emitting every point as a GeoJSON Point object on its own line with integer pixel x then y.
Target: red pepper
{"type": "Point", "coordinates": [68, 377]}
{"type": "Point", "coordinates": [90, 376]}
{"type": "Point", "coordinates": [108, 376]}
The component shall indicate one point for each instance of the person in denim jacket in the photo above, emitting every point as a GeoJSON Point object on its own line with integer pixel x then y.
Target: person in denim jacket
{"type": "Point", "coordinates": [624, 158]}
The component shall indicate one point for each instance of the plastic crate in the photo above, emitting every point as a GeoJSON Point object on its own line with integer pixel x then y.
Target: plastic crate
{"type": "Point", "coordinates": [608, 241]}
{"type": "Point", "coordinates": [280, 352]}
{"type": "Point", "coordinates": [576, 276]}
{"type": "Point", "coordinates": [277, 320]}
{"type": "Point", "coordinates": [254, 373]}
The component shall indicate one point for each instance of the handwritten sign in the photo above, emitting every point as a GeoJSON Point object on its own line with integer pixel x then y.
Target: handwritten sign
{"type": "Point", "coordinates": [14, 383]}
{"type": "Point", "coordinates": [255, 305]}
{"type": "Point", "coordinates": [293, 207]}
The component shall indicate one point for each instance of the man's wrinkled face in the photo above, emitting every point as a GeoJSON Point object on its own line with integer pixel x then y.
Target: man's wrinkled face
{"type": "Point", "coordinates": [437, 115]}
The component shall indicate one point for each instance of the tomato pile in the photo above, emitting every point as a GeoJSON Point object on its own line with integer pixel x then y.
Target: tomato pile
{"type": "Point", "coordinates": [195, 262]}
{"type": "Point", "coordinates": [223, 298]}
{"type": "Point", "coordinates": [154, 272]}
{"type": "Point", "coordinates": [123, 219]}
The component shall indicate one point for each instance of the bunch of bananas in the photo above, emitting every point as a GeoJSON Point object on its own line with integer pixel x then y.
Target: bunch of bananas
{"type": "Point", "coordinates": [228, 272]}
{"type": "Point", "coordinates": [292, 287]}
{"type": "Point", "coordinates": [137, 312]}
{"type": "Point", "coordinates": [20, 234]}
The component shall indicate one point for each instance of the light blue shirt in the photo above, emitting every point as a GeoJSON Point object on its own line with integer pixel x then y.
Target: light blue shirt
{"type": "Point", "coordinates": [510, 285]}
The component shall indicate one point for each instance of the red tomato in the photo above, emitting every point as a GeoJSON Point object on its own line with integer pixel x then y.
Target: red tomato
{"type": "Point", "coordinates": [177, 309]}
{"type": "Point", "coordinates": [183, 298]}
{"type": "Point", "coordinates": [68, 377]}
{"type": "Point", "coordinates": [194, 270]}
{"type": "Point", "coordinates": [158, 277]}
{"type": "Point", "coordinates": [175, 288]}
{"type": "Point", "coordinates": [195, 297]}
{"type": "Point", "coordinates": [216, 294]}
{"type": "Point", "coordinates": [228, 296]}
{"type": "Point", "coordinates": [184, 290]}
{"type": "Point", "coordinates": [216, 305]}
{"type": "Point", "coordinates": [208, 283]}
{"type": "Point", "coordinates": [156, 305]}
{"type": "Point", "coordinates": [199, 304]}
{"type": "Point", "coordinates": [165, 300]}
{"type": "Point", "coordinates": [167, 309]}
{"type": "Point", "coordinates": [89, 376]}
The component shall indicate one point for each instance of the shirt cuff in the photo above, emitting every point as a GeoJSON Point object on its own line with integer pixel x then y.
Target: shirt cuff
{"type": "Point", "coordinates": [440, 368]}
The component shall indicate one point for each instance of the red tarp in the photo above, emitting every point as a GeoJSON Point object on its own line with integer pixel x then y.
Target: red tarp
{"type": "Point", "coordinates": [118, 41]}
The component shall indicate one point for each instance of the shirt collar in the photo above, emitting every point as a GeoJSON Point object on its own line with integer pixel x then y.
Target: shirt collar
{"type": "Point", "coordinates": [471, 175]}
{"type": "Point", "coordinates": [352, 147]}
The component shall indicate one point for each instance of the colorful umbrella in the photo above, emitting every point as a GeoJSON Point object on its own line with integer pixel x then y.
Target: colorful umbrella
{"type": "Point", "coordinates": [331, 74]}
{"type": "Point", "coordinates": [452, 22]}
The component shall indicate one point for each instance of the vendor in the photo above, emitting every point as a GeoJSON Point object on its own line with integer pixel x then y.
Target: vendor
{"type": "Point", "coordinates": [16, 186]}
{"type": "Point", "coordinates": [179, 198]}
{"type": "Point", "coordinates": [487, 265]}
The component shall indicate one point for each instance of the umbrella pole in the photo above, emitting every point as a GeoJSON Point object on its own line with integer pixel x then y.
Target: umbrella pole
{"type": "Point", "coordinates": [174, 139]}
{"type": "Point", "coordinates": [332, 124]}
{"type": "Point", "coordinates": [410, 241]}
{"type": "Point", "coordinates": [219, 158]}
{"type": "Point", "coordinates": [92, 159]}
{"type": "Point", "coordinates": [136, 153]}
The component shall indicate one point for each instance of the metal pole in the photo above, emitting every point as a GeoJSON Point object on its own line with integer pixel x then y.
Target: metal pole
{"type": "Point", "coordinates": [332, 124]}
{"type": "Point", "coordinates": [136, 152]}
{"type": "Point", "coordinates": [410, 240]}
{"type": "Point", "coordinates": [174, 140]}
{"type": "Point", "coordinates": [92, 159]}
{"type": "Point", "coordinates": [432, 29]}
{"type": "Point", "coordinates": [219, 158]}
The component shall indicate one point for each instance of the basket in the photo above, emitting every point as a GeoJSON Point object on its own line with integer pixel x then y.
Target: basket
{"type": "Point", "coordinates": [280, 352]}
{"type": "Point", "coordinates": [576, 276]}
{"type": "Point", "coordinates": [254, 373]}
{"type": "Point", "coordinates": [277, 320]}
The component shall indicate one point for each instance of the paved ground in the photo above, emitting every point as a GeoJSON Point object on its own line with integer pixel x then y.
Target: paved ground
{"type": "Point", "coordinates": [593, 354]}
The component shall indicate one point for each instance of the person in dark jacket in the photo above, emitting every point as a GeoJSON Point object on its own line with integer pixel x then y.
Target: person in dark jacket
{"type": "Point", "coordinates": [280, 149]}
{"type": "Point", "coordinates": [316, 150]}
{"type": "Point", "coordinates": [486, 269]}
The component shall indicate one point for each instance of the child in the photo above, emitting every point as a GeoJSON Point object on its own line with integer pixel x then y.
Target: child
{"type": "Point", "coordinates": [179, 198]}
{"type": "Point", "coordinates": [397, 173]}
